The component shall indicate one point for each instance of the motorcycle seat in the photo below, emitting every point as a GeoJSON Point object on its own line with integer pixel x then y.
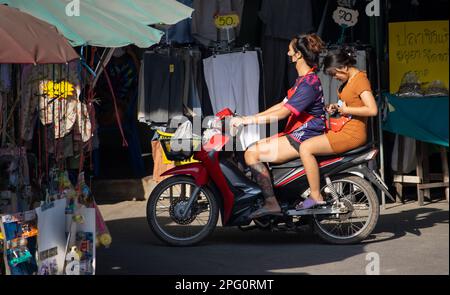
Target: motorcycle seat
{"type": "Point", "coordinates": [356, 151]}
{"type": "Point", "coordinates": [298, 163]}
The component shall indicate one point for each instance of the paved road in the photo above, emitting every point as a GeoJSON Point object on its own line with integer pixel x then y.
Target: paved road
{"type": "Point", "coordinates": [408, 239]}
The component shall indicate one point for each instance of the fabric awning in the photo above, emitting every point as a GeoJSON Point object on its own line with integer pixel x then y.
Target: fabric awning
{"type": "Point", "coordinates": [107, 23]}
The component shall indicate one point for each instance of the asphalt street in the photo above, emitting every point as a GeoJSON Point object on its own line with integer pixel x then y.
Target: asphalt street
{"type": "Point", "coordinates": [408, 240]}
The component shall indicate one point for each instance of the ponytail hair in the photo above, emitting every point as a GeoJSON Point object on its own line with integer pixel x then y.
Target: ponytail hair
{"type": "Point", "coordinates": [337, 59]}
{"type": "Point", "coordinates": [310, 46]}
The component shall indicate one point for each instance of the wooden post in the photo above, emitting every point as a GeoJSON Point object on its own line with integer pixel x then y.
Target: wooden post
{"type": "Point", "coordinates": [399, 185]}
{"type": "Point", "coordinates": [445, 170]}
{"type": "Point", "coordinates": [419, 171]}
{"type": "Point", "coordinates": [426, 169]}
{"type": "Point", "coordinates": [399, 195]}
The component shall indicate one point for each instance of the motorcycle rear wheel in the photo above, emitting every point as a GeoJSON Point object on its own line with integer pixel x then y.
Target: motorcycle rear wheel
{"type": "Point", "coordinates": [355, 193]}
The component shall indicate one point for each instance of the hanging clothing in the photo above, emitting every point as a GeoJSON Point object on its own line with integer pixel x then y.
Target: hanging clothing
{"type": "Point", "coordinates": [84, 122]}
{"type": "Point", "coordinates": [251, 26]}
{"type": "Point", "coordinates": [5, 78]}
{"type": "Point", "coordinates": [29, 99]}
{"type": "Point", "coordinates": [181, 31]}
{"type": "Point", "coordinates": [54, 91]}
{"type": "Point", "coordinates": [404, 159]}
{"type": "Point", "coordinates": [203, 92]}
{"type": "Point", "coordinates": [287, 18]}
{"type": "Point", "coordinates": [141, 94]}
{"type": "Point", "coordinates": [1, 110]}
{"type": "Point", "coordinates": [233, 82]}
{"type": "Point", "coordinates": [123, 74]}
{"type": "Point", "coordinates": [279, 72]}
{"type": "Point", "coordinates": [203, 27]}
{"type": "Point", "coordinates": [163, 88]}
{"type": "Point", "coordinates": [50, 92]}
{"type": "Point", "coordinates": [63, 113]}
{"type": "Point", "coordinates": [282, 20]}
{"type": "Point", "coordinates": [59, 92]}
{"type": "Point", "coordinates": [182, 88]}
{"type": "Point", "coordinates": [191, 95]}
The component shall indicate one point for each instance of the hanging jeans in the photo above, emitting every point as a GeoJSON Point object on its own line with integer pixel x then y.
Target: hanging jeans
{"type": "Point", "coordinates": [233, 82]}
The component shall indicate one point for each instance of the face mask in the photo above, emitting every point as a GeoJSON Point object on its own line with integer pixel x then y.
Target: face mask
{"type": "Point", "coordinates": [294, 62]}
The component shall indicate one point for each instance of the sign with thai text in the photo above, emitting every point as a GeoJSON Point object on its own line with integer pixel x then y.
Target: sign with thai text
{"type": "Point", "coordinates": [420, 47]}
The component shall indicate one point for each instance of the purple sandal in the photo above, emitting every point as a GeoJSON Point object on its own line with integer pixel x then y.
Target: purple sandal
{"type": "Point", "coordinates": [308, 204]}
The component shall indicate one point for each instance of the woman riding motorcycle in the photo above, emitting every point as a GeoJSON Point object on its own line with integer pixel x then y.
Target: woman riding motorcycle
{"type": "Point", "coordinates": [357, 105]}
{"type": "Point", "coordinates": [304, 105]}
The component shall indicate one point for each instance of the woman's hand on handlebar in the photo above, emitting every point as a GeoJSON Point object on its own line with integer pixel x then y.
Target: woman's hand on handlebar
{"type": "Point", "coordinates": [235, 122]}
{"type": "Point", "coordinates": [238, 121]}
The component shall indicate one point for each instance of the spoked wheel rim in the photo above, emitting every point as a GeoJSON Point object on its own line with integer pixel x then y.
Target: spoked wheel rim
{"type": "Point", "coordinates": [354, 198]}
{"type": "Point", "coordinates": [169, 208]}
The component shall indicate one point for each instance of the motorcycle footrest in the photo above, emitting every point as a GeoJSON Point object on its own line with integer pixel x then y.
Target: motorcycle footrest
{"type": "Point", "coordinates": [315, 211]}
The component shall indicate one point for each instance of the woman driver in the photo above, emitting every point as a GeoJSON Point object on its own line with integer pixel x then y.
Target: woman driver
{"type": "Point", "coordinates": [304, 106]}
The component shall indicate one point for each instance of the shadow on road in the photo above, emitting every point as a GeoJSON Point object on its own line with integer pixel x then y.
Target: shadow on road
{"type": "Point", "coordinates": [135, 250]}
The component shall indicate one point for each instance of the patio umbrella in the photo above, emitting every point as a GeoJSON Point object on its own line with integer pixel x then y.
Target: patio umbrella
{"type": "Point", "coordinates": [25, 39]}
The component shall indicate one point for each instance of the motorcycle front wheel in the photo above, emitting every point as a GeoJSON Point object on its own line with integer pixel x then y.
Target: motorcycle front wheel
{"type": "Point", "coordinates": [360, 202]}
{"type": "Point", "coordinates": [167, 204]}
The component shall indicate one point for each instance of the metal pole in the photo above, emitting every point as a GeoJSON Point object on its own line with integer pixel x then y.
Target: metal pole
{"type": "Point", "coordinates": [380, 100]}
{"type": "Point", "coordinates": [104, 60]}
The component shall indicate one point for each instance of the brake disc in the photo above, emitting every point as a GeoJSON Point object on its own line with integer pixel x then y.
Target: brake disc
{"type": "Point", "coordinates": [176, 212]}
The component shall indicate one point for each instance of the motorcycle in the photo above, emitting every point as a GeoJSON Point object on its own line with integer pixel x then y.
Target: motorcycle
{"type": "Point", "coordinates": [183, 210]}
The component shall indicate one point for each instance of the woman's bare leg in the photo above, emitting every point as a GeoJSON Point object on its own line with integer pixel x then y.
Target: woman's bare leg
{"type": "Point", "coordinates": [273, 150]}
{"type": "Point", "coordinates": [315, 146]}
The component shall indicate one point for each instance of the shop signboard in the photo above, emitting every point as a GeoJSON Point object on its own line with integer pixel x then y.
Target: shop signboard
{"type": "Point", "coordinates": [419, 47]}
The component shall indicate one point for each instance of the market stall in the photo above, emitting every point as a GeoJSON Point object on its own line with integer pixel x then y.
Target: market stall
{"type": "Point", "coordinates": [417, 105]}
{"type": "Point", "coordinates": [50, 223]}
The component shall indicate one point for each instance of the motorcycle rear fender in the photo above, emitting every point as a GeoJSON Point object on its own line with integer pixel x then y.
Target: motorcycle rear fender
{"type": "Point", "coordinates": [378, 182]}
{"type": "Point", "coordinates": [196, 170]}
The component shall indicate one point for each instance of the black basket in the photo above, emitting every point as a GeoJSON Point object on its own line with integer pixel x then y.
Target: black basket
{"type": "Point", "coordinates": [183, 151]}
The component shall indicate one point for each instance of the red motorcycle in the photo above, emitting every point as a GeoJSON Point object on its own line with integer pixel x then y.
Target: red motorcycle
{"type": "Point", "coordinates": [183, 210]}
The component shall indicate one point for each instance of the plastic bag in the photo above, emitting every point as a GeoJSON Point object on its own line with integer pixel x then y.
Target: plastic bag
{"type": "Point", "coordinates": [436, 88]}
{"type": "Point", "coordinates": [184, 131]}
{"type": "Point", "coordinates": [410, 86]}
{"type": "Point", "coordinates": [208, 134]}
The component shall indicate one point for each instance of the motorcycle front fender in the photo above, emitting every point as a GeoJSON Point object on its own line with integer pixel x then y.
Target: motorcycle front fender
{"type": "Point", "coordinates": [196, 170]}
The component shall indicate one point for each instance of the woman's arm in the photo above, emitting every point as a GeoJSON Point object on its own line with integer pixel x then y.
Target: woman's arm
{"type": "Point", "coordinates": [369, 109]}
{"type": "Point", "coordinates": [250, 119]}
{"type": "Point", "coordinates": [276, 114]}
{"type": "Point", "coordinates": [271, 109]}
